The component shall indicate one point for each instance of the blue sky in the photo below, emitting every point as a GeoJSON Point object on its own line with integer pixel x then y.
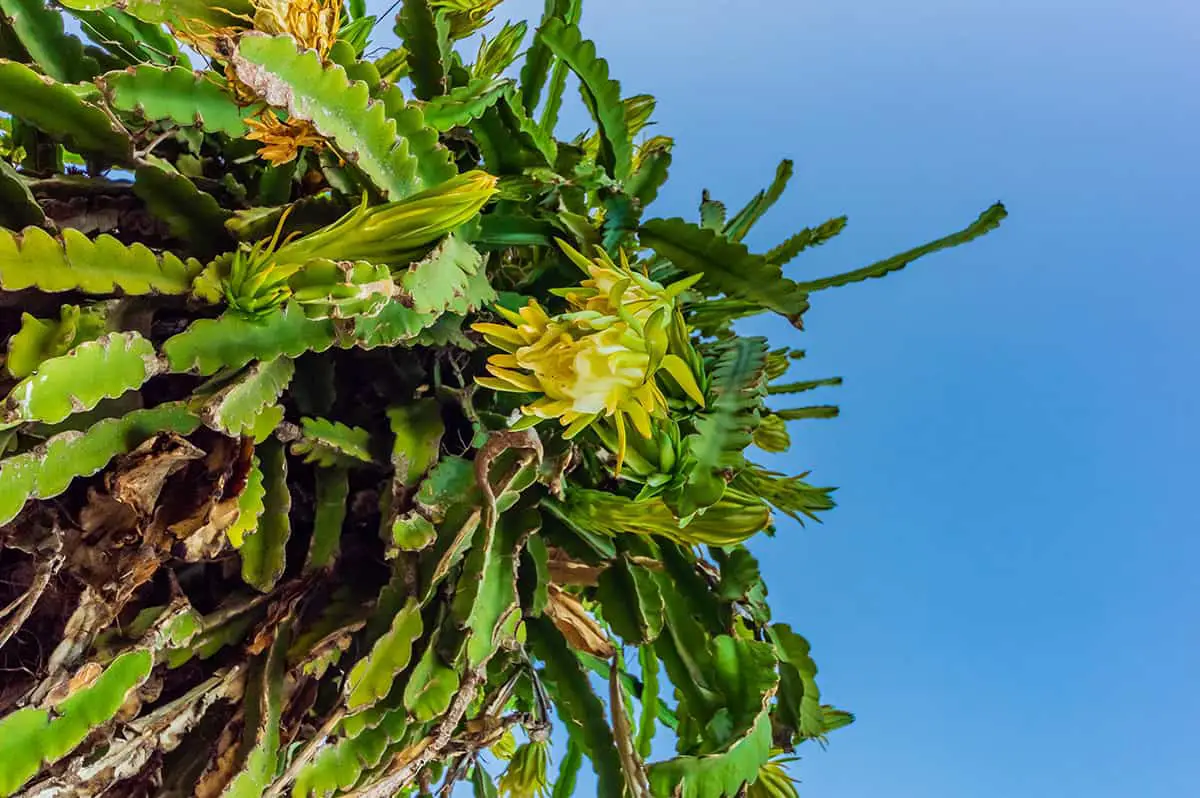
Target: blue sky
{"type": "Point", "coordinates": [1008, 593]}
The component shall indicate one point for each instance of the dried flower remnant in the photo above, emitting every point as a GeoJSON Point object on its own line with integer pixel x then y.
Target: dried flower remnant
{"type": "Point", "coordinates": [282, 140]}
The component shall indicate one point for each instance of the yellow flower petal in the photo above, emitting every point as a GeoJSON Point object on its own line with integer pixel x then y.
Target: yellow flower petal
{"type": "Point", "coordinates": [502, 345]}
{"type": "Point", "coordinates": [551, 408]}
{"type": "Point", "coordinates": [513, 318]}
{"type": "Point", "coordinates": [679, 286]}
{"type": "Point", "coordinates": [525, 422]}
{"type": "Point", "coordinates": [507, 334]}
{"type": "Point", "coordinates": [578, 425]}
{"type": "Point", "coordinates": [499, 385]}
{"type": "Point", "coordinates": [534, 315]}
{"type": "Point", "coordinates": [617, 291]}
{"type": "Point", "coordinates": [640, 419]}
{"type": "Point", "coordinates": [619, 420]}
{"type": "Point", "coordinates": [682, 373]}
{"type": "Point", "coordinates": [505, 361]}
{"type": "Point", "coordinates": [516, 378]}
{"type": "Point", "coordinates": [603, 257]}
{"type": "Point", "coordinates": [575, 255]}
{"type": "Point", "coordinates": [651, 399]}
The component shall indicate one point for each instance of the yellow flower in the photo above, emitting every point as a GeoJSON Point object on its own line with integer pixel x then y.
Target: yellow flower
{"type": "Point", "coordinates": [313, 24]}
{"type": "Point", "coordinates": [586, 367]}
{"type": "Point", "coordinates": [601, 360]}
{"type": "Point", "coordinates": [282, 140]}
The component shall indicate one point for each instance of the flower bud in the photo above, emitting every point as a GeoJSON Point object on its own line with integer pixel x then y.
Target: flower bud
{"type": "Point", "coordinates": [397, 232]}
{"type": "Point", "coordinates": [526, 775]}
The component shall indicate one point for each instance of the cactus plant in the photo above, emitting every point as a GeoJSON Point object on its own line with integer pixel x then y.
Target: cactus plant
{"type": "Point", "coordinates": [350, 419]}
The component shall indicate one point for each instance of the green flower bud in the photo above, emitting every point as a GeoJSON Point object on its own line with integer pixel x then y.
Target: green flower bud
{"type": "Point", "coordinates": [525, 776]}
{"type": "Point", "coordinates": [397, 232]}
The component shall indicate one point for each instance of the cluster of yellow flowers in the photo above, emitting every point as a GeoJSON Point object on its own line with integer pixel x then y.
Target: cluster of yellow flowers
{"type": "Point", "coordinates": [601, 360]}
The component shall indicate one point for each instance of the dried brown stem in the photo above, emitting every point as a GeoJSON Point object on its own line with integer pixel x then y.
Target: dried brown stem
{"type": "Point", "coordinates": [435, 745]}
{"type": "Point", "coordinates": [310, 750]}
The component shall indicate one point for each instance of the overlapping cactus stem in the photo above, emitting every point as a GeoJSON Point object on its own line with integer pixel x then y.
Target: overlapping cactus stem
{"type": "Point", "coordinates": [313, 24]}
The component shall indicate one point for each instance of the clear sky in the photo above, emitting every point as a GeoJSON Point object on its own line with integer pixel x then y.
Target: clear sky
{"type": "Point", "coordinates": [1009, 591]}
